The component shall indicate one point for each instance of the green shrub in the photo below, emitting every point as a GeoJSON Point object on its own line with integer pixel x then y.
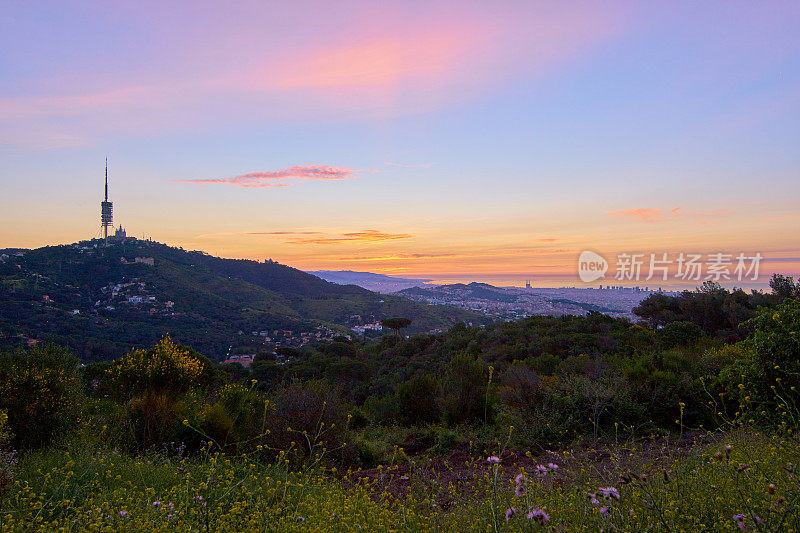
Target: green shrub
{"type": "Point", "coordinates": [765, 378]}
{"type": "Point", "coordinates": [358, 419]}
{"type": "Point", "coordinates": [239, 420]}
{"type": "Point", "coordinates": [155, 418]}
{"type": "Point", "coordinates": [417, 399]}
{"type": "Point", "coordinates": [42, 393]}
{"type": "Point", "coordinates": [166, 369]}
{"type": "Point", "coordinates": [679, 334]}
{"type": "Point", "coordinates": [7, 456]}
{"type": "Point", "coordinates": [383, 410]}
{"type": "Point", "coordinates": [465, 397]}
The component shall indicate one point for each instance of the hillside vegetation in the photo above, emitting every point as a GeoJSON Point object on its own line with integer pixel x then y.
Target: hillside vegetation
{"type": "Point", "coordinates": [208, 302]}
{"type": "Point", "coordinates": [563, 424]}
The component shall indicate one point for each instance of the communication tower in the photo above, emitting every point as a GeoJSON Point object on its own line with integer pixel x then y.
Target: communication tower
{"type": "Point", "coordinates": [106, 211]}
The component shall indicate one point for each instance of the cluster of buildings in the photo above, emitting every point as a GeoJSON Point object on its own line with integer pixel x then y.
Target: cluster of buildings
{"type": "Point", "coordinates": [132, 293]}
{"type": "Point", "coordinates": [362, 325]}
{"type": "Point", "coordinates": [288, 337]}
{"type": "Point", "coordinates": [372, 326]}
{"type": "Point", "coordinates": [512, 303]}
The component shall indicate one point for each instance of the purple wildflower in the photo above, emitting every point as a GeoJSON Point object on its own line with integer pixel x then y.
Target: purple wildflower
{"type": "Point", "coordinates": [605, 511]}
{"type": "Point", "coordinates": [510, 512]}
{"type": "Point", "coordinates": [743, 468]}
{"type": "Point", "coordinates": [493, 459]}
{"type": "Point", "coordinates": [539, 515]}
{"type": "Point", "coordinates": [552, 466]}
{"type": "Point", "coordinates": [519, 489]}
{"type": "Point", "coordinates": [609, 492]}
{"type": "Point", "coordinates": [123, 513]}
{"type": "Point", "coordinates": [540, 469]}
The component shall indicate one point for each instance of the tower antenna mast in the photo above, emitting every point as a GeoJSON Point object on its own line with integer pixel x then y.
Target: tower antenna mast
{"type": "Point", "coordinates": [106, 211]}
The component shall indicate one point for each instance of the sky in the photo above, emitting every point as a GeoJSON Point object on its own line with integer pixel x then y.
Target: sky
{"type": "Point", "coordinates": [458, 141]}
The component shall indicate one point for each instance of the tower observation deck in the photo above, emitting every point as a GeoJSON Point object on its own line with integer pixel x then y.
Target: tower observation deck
{"type": "Point", "coordinates": [106, 210]}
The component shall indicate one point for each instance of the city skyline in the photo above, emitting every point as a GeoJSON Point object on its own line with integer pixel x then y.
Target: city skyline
{"type": "Point", "coordinates": [451, 141]}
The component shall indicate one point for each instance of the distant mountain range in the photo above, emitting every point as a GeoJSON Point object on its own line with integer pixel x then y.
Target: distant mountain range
{"type": "Point", "coordinates": [102, 301]}
{"type": "Point", "coordinates": [368, 280]}
{"type": "Point", "coordinates": [503, 303]}
{"type": "Point", "coordinates": [511, 303]}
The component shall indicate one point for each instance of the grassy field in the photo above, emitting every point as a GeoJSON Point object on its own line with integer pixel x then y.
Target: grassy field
{"type": "Point", "coordinates": [742, 480]}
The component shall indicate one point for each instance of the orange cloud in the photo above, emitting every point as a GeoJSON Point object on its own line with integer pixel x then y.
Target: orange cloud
{"type": "Point", "coordinates": [445, 255]}
{"type": "Point", "coordinates": [241, 233]}
{"type": "Point", "coordinates": [368, 236]}
{"type": "Point", "coordinates": [283, 233]}
{"type": "Point", "coordinates": [320, 237]}
{"type": "Point", "coordinates": [641, 214]}
{"type": "Point", "coordinates": [285, 177]}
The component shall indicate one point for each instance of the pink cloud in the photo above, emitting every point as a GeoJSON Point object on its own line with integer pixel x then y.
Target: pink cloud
{"type": "Point", "coordinates": [326, 63]}
{"type": "Point", "coordinates": [284, 177]}
{"type": "Point", "coordinates": [641, 214]}
{"type": "Point", "coordinates": [657, 215]}
{"type": "Point", "coordinates": [395, 63]}
{"type": "Point", "coordinates": [377, 61]}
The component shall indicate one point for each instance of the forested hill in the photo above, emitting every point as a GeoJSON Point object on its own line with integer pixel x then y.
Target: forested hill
{"type": "Point", "coordinates": [103, 301]}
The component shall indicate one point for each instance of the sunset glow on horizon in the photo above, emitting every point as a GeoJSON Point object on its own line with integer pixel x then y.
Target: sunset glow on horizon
{"type": "Point", "coordinates": [455, 141]}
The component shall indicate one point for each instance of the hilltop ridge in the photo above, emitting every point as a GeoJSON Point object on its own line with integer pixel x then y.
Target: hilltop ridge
{"type": "Point", "coordinates": [102, 301]}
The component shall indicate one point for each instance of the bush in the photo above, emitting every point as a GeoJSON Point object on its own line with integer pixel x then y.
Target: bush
{"type": "Point", "coordinates": [155, 418]}
{"type": "Point", "coordinates": [239, 419]}
{"type": "Point", "coordinates": [165, 369]}
{"type": "Point", "coordinates": [764, 379]}
{"type": "Point", "coordinates": [417, 399]}
{"type": "Point", "coordinates": [465, 397]}
{"type": "Point", "coordinates": [42, 393]}
{"type": "Point", "coordinates": [679, 334]}
{"type": "Point", "coordinates": [382, 409]}
{"type": "Point", "coordinates": [7, 456]}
